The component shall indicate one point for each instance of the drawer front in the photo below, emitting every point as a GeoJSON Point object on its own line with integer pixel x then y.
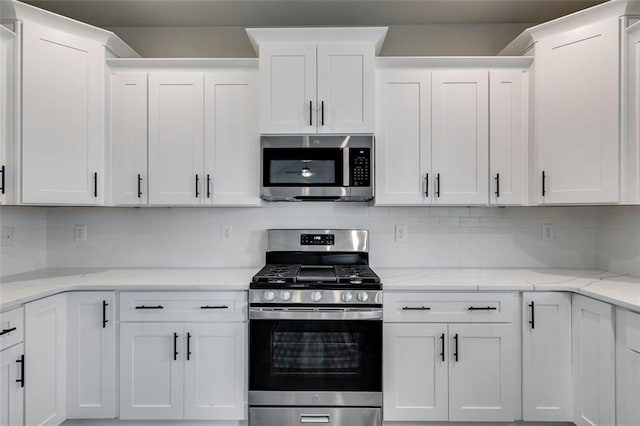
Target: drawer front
{"type": "Point", "coordinates": [11, 328]}
{"type": "Point", "coordinates": [228, 306]}
{"type": "Point", "coordinates": [450, 307]}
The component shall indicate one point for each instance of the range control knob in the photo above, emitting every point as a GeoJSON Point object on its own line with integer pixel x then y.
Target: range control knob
{"type": "Point", "coordinates": [285, 295]}
{"type": "Point", "coordinates": [316, 296]}
{"type": "Point", "coordinates": [346, 296]}
{"type": "Point", "coordinates": [269, 295]}
{"type": "Point", "coordinates": [363, 296]}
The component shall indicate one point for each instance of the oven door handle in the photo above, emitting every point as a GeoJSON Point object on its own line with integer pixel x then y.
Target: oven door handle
{"type": "Point", "coordinates": [315, 418]}
{"type": "Point", "coordinates": [289, 314]}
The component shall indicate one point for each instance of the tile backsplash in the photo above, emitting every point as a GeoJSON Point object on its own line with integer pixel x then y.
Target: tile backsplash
{"type": "Point", "coordinates": [619, 239]}
{"type": "Point", "coordinates": [437, 236]}
{"type": "Point", "coordinates": [28, 250]}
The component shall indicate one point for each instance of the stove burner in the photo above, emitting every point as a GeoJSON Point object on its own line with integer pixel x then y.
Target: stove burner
{"type": "Point", "coordinates": [296, 275]}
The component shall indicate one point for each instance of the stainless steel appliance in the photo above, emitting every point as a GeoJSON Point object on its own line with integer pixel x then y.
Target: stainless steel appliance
{"type": "Point", "coordinates": [315, 331]}
{"type": "Point", "coordinates": [317, 168]}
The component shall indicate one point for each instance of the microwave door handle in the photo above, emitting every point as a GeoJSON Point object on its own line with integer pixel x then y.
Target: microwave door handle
{"type": "Point", "coordinates": [345, 166]}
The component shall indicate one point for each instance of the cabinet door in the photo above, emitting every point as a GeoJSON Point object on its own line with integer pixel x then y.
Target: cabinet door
{"type": "Point", "coordinates": [232, 143]}
{"type": "Point", "coordinates": [288, 88]}
{"type": "Point", "coordinates": [345, 88]}
{"type": "Point", "coordinates": [483, 373]}
{"type": "Point", "coordinates": [151, 371]}
{"type": "Point", "coordinates": [11, 390]}
{"type": "Point", "coordinates": [415, 372]}
{"type": "Point", "coordinates": [507, 134]}
{"type": "Point", "coordinates": [632, 155]}
{"type": "Point", "coordinates": [593, 362]}
{"type": "Point", "coordinates": [403, 137]}
{"type": "Point", "coordinates": [460, 141]}
{"type": "Point", "coordinates": [63, 80]}
{"type": "Point", "coordinates": [7, 106]}
{"type": "Point", "coordinates": [215, 372]}
{"type": "Point", "coordinates": [176, 138]}
{"type": "Point", "coordinates": [627, 368]}
{"type": "Point", "coordinates": [546, 357]}
{"type": "Point", "coordinates": [46, 361]}
{"type": "Point", "coordinates": [91, 361]}
{"type": "Point", "coordinates": [129, 138]}
{"type": "Point", "coordinates": [577, 114]}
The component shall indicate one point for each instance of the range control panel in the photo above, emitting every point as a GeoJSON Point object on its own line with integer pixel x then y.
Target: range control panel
{"type": "Point", "coordinates": [359, 166]}
{"type": "Point", "coordinates": [317, 239]}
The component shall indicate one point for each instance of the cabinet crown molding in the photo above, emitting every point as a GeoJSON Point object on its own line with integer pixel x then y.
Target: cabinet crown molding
{"type": "Point", "coordinates": [374, 35]}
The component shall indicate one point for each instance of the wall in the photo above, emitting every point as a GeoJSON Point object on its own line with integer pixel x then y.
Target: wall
{"type": "Point", "coordinates": [619, 239]}
{"type": "Point", "coordinates": [438, 237]}
{"type": "Point", "coordinates": [29, 248]}
{"type": "Point", "coordinates": [401, 40]}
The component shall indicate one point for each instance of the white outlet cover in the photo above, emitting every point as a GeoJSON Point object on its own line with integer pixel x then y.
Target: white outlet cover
{"type": "Point", "coordinates": [548, 233]}
{"type": "Point", "coordinates": [402, 233]}
{"type": "Point", "coordinates": [80, 234]}
{"type": "Point", "coordinates": [8, 234]}
{"type": "Point", "coordinates": [226, 232]}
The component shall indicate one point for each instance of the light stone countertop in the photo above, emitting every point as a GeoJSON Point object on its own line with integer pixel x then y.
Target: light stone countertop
{"type": "Point", "coordinates": [612, 288]}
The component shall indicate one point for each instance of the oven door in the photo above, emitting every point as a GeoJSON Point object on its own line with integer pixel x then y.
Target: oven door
{"type": "Point", "coordinates": [315, 362]}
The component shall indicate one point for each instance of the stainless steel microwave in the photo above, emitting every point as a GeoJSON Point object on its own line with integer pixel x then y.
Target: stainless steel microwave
{"type": "Point", "coordinates": [317, 168]}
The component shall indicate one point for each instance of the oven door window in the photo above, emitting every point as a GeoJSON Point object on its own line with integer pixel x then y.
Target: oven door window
{"type": "Point", "coordinates": [302, 167]}
{"type": "Point", "coordinates": [291, 355]}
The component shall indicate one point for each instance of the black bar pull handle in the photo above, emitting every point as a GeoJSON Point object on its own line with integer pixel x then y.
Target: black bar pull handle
{"type": "Point", "coordinates": [197, 185]}
{"type": "Point", "coordinates": [482, 308]}
{"type": "Point", "coordinates": [188, 346]}
{"type": "Point", "coordinates": [95, 184]}
{"type": "Point", "coordinates": [455, 348]}
{"type": "Point", "coordinates": [2, 180]}
{"type": "Point", "coordinates": [208, 186]}
{"type": "Point", "coordinates": [21, 379]}
{"type": "Point", "coordinates": [544, 183]}
{"type": "Point", "coordinates": [104, 314]}
{"type": "Point", "coordinates": [497, 185]}
{"type": "Point", "coordinates": [426, 185]}
{"type": "Point", "coordinates": [416, 308]}
{"type": "Point", "coordinates": [322, 113]}
{"type": "Point", "coordinates": [175, 346]}
{"type": "Point", "coordinates": [442, 341]}
{"type": "Point", "coordinates": [532, 321]}
{"type": "Point", "coordinates": [7, 331]}
{"type": "Point", "coordinates": [438, 185]}
{"type": "Point", "coordinates": [214, 307]}
{"type": "Point", "coordinates": [310, 113]}
{"type": "Point", "coordinates": [150, 307]}
{"type": "Point", "coordinates": [139, 185]}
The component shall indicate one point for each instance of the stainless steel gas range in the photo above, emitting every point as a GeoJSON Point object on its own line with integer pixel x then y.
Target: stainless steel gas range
{"type": "Point", "coordinates": [315, 331]}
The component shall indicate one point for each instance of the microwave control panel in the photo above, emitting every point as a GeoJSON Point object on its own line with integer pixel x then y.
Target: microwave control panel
{"type": "Point", "coordinates": [359, 166]}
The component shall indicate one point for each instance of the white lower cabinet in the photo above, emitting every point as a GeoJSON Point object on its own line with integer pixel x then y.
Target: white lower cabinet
{"type": "Point", "coordinates": [416, 380]}
{"type": "Point", "coordinates": [91, 346]}
{"type": "Point", "coordinates": [12, 386]}
{"type": "Point", "coordinates": [459, 372]}
{"type": "Point", "coordinates": [593, 362]}
{"type": "Point", "coordinates": [45, 358]}
{"type": "Point", "coordinates": [627, 368]}
{"type": "Point", "coordinates": [546, 357]}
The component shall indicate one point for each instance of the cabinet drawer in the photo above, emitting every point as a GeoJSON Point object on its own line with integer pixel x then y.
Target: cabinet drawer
{"type": "Point", "coordinates": [450, 307]}
{"type": "Point", "coordinates": [11, 328]}
{"type": "Point", "coordinates": [228, 306]}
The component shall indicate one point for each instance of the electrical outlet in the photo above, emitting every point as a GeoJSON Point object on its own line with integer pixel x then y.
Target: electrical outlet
{"type": "Point", "coordinates": [226, 232]}
{"type": "Point", "coordinates": [402, 233]}
{"type": "Point", "coordinates": [8, 234]}
{"type": "Point", "coordinates": [548, 232]}
{"type": "Point", "coordinates": [80, 234]}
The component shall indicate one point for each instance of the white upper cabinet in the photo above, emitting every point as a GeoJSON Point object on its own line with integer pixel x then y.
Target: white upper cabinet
{"type": "Point", "coordinates": [7, 99]}
{"type": "Point", "coordinates": [546, 357]}
{"type": "Point", "coordinates": [403, 137]}
{"type": "Point", "coordinates": [232, 145]}
{"type": "Point", "coordinates": [176, 138]}
{"type": "Point", "coordinates": [577, 113]}
{"type": "Point", "coordinates": [631, 157]}
{"type": "Point", "coordinates": [317, 80]}
{"type": "Point", "coordinates": [62, 117]}
{"type": "Point", "coordinates": [460, 136]}
{"type": "Point", "coordinates": [507, 136]}
{"type": "Point", "coordinates": [129, 138]}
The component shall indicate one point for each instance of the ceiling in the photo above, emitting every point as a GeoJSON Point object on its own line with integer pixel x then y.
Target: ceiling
{"type": "Point", "coordinates": [259, 13]}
